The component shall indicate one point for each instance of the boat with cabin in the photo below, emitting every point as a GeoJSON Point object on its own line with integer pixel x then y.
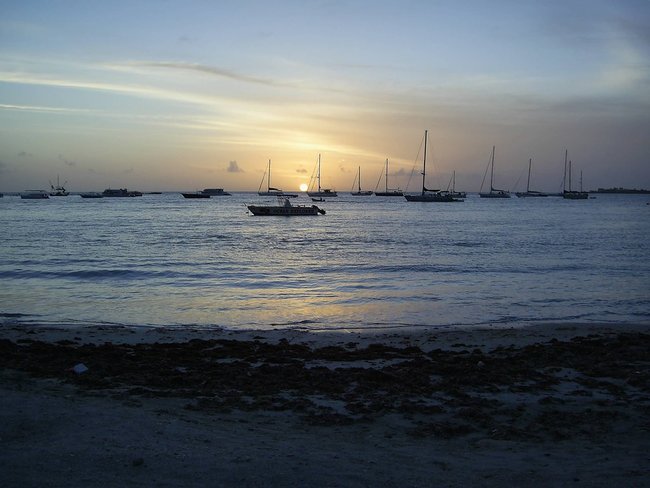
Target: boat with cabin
{"type": "Point", "coordinates": [285, 209]}
{"type": "Point", "coordinates": [494, 192]}
{"type": "Point", "coordinates": [427, 195]}
{"type": "Point", "coordinates": [321, 192]}
{"type": "Point", "coordinates": [58, 190]}
{"type": "Point", "coordinates": [196, 194]}
{"type": "Point", "coordinates": [216, 192]}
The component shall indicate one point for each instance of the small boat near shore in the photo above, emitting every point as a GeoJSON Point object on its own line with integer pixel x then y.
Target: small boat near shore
{"type": "Point", "coordinates": [285, 209]}
{"type": "Point", "coordinates": [196, 194]}
{"type": "Point", "coordinates": [34, 195]}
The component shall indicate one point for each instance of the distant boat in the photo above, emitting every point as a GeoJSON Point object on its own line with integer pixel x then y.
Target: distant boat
{"type": "Point", "coordinates": [270, 191]}
{"type": "Point", "coordinates": [529, 192]}
{"type": "Point", "coordinates": [453, 192]}
{"type": "Point", "coordinates": [388, 192]}
{"type": "Point", "coordinates": [322, 192]}
{"type": "Point", "coordinates": [429, 195]}
{"type": "Point", "coordinates": [285, 209]}
{"type": "Point", "coordinates": [58, 190]}
{"type": "Point", "coordinates": [91, 194]}
{"type": "Point", "coordinates": [34, 195]}
{"type": "Point", "coordinates": [122, 192]}
{"type": "Point", "coordinates": [494, 193]}
{"type": "Point", "coordinates": [359, 192]}
{"type": "Point", "coordinates": [196, 194]}
{"type": "Point", "coordinates": [571, 194]}
{"type": "Point", "coordinates": [216, 192]}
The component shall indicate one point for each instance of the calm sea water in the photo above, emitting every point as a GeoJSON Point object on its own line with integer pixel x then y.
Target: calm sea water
{"type": "Point", "coordinates": [369, 262]}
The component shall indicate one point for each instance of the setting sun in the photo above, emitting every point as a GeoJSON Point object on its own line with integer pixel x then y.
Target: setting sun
{"type": "Point", "coordinates": [303, 187]}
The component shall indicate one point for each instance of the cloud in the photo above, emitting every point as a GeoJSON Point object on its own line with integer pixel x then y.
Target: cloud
{"type": "Point", "coordinates": [301, 171]}
{"type": "Point", "coordinates": [234, 168]}
{"type": "Point", "coordinates": [24, 154]}
{"type": "Point", "coordinates": [210, 70]}
{"type": "Point", "coordinates": [72, 164]}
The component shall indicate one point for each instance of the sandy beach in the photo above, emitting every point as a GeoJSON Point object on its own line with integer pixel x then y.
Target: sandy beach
{"type": "Point", "coordinates": [544, 405]}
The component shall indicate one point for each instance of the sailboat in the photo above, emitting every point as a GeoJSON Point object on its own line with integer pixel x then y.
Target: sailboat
{"type": "Point", "coordinates": [494, 193]}
{"type": "Point", "coordinates": [322, 192]}
{"type": "Point", "coordinates": [429, 195]}
{"type": "Point", "coordinates": [571, 194]}
{"type": "Point", "coordinates": [528, 192]}
{"type": "Point", "coordinates": [453, 192]}
{"type": "Point", "coordinates": [58, 190]}
{"type": "Point", "coordinates": [388, 192]}
{"type": "Point", "coordinates": [359, 192]}
{"type": "Point", "coordinates": [270, 191]}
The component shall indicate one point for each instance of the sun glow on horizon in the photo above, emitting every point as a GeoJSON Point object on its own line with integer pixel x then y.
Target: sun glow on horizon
{"type": "Point", "coordinates": [303, 186]}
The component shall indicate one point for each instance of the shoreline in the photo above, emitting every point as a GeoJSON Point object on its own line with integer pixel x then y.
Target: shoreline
{"type": "Point", "coordinates": [561, 404]}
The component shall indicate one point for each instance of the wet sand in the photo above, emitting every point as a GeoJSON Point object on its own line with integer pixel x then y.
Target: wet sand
{"type": "Point", "coordinates": [562, 404]}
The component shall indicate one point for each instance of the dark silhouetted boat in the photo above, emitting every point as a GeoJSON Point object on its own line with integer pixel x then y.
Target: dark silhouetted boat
{"type": "Point", "coordinates": [58, 190]}
{"type": "Point", "coordinates": [529, 192]}
{"type": "Point", "coordinates": [196, 194]}
{"type": "Point", "coordinates": [270, 191]}
{"type": "Point", "coordinates": [387, 191]}
{"type": "Point", "coordinates": [572, 194]}
{"type": "Point", "coordinates": [427, 195]}
{"type": "Point", "coordinates": [359, 192]}
{"type": "Point", "coordinates": [321, 192]}
{"type": "Point", "coordinates": [216, 192]}
{"type": "Point", "coordinates": [121, 192]}
{"type": "Point", "coordinates": [493, 193]}
{"type": "Point", "coordinates": [34, 195]}
{"type": "Point", "coordinates": [285, 209]}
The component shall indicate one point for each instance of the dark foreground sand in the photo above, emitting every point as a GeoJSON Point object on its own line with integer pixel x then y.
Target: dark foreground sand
{"type": "Point", "coordinates": [554, 405]}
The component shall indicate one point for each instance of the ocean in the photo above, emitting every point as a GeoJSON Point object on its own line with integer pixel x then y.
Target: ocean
{"type": "Point", "coordinates": [370, 262]}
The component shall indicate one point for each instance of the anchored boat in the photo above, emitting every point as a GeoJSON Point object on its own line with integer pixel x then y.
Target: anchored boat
{"type": "Point", "coordinates": [285, 209]}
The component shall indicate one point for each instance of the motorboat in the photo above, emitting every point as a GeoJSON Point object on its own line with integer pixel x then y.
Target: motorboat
{"type": "Point", "coordinates": [285, 209]}
{"type": "Point", "coordinates": [34, 195]}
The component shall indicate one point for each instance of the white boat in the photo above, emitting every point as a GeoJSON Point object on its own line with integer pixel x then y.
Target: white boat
{"type": "Point", "coordinates": [388, 192]}
{"type": "Point", "coordinates": [529, 192]}
{"type": "Point", "coordinates": [572, 194]}
{"type": "Point", "coordinates": [285, 209]}
{"type": "Point", "coordinates": [270, 191]}
{"type": "Point", "coordinates": [34, 195]}
{"type": "Point", "coordinates": [427, 195]}
{"type": "Point", "coordinates": [322, 192]}
{"type": "Point", "coordinates": [493, 193]}
{"type": "Point", "coordinates": [359, 192]}
{"type": "Point", "coordinates": [58, 190]}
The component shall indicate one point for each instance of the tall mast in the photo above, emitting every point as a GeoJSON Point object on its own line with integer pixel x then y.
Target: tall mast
{"type": "Point", "coordinates": [424, 161]}
{"type": "Point", "coordinates": [492, 172]}
{"type": "Point", "coordinates": [566, 153]}
{"type": "Point", "coordinates": [386, 179]}
{"type": "Point", "coordinates": [530, 162]}
{"type": "Point", "coordinates": [319, 173]}
{"type": "Point", "coordinates": [268, 181]}
{"type": "Point", "coordinates": [359, 179]}
{"type": "Point", "coordinates": [569, 175]}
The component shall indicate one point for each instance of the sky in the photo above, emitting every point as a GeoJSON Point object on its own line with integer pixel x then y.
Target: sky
{"type": "Point", "coordinates": [184, 95]}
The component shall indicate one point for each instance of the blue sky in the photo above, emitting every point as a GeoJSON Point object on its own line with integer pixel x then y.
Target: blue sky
{"type": "Point", "coordinates": [185, 95]}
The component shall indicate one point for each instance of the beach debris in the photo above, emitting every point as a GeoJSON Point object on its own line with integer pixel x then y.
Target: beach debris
{"type": "Point", "coordinates": [79, 368]}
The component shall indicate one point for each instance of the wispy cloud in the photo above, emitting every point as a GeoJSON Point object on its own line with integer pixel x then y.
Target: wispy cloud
{"type": "Point", "coordinates": [35, 108]}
